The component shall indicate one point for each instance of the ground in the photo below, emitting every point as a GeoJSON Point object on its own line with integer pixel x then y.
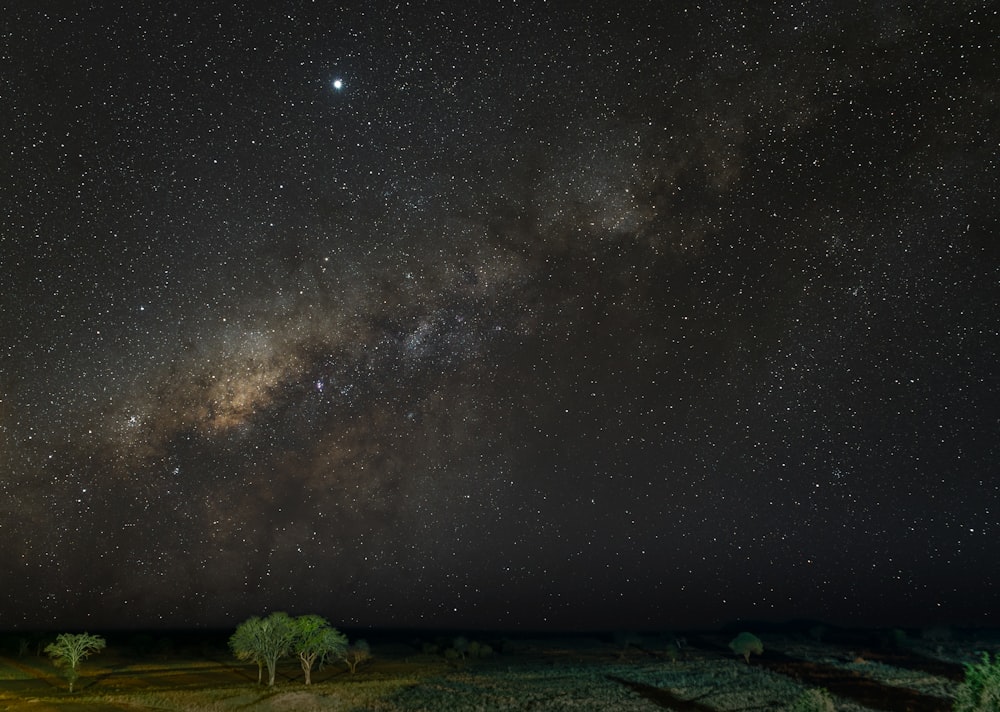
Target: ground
{"type": "Point", "coordinates": [864, 671]}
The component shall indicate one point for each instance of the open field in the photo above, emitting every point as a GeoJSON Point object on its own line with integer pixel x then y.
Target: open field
{"type": "Point", "coordinates": [571, 673]}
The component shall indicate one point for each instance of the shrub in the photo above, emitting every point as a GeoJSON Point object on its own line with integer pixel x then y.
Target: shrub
{"type": "Point", "coordinates": [746, 643]}
{"type": "Point", "coordinates": [898, 638]}
{"type": "Point", "coordinates": [479, 650]}
{"type": "Point", "coordinates": [815, 700]}
{"type": "Point", "coordinates": [937, 634]}
{"type": "Point", "coordinates": [627, 639]}
{"type": "Point", "coordinates": [464, 649]}
{"type": "Point", "coordinates": [981, 690]}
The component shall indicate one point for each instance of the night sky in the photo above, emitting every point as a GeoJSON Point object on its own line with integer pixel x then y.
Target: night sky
{"type": "Point", "coordinates": [499, 315]}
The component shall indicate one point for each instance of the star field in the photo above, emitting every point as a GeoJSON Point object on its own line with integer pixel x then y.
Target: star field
{"type": "Point", "coordinates": [622, 316]}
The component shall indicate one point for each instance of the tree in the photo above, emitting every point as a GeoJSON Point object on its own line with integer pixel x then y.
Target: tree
{"type": "Point", "coordinates": [626, 639]}
{"type": "Point", "coordinates": [461, 646]}
{"type": "Point", "coordinates": [70, 649]}
{"type": "Point", "coordinates": [313, 639]}
{"type": "Point", "coordinates": [356, 654]}
{"type": "Point", "coordinates": [480, 650]}
{"type": "Point", "coordinates": [264, 641]}
{"type": "Point", "coordinates": [746, 643]}
{"type": "Point", "coordinates": [244, 645]}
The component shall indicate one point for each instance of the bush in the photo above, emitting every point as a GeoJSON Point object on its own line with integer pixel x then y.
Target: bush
{"type": "Point", "coordinates": [898, 638]}
{"type": "Point", "coordinates": [479, 650]}
{"type": "Point", "coordinates": [937, 634]}
{"type": "Point", "coordinates": [814, 700]}
{"type": "Point", "coordinates": [981, 690]}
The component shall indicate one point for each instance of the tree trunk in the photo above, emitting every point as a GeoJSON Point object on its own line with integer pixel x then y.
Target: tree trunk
{"type": "Point", "coordinates": [307, 664]}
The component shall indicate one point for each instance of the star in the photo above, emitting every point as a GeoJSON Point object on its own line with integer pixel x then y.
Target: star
{"type": "Point", "coordinates": [492, 328]}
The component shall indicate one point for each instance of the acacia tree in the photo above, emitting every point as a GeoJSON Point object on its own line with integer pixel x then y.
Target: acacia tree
{"type": "Point", "coordinates": [315, 638]}
{"type": "Point", "coordinates": [244, 645]}
{"type": "Point", "coordinates": [70, 649]}
{"type": "Point", "coordinates": [264, 640]}
{"type": "Point", "coordinates": [356, 654]}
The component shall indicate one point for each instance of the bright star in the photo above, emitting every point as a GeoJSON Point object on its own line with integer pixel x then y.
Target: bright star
{"type": "Point", "coordinates": [338, 84]}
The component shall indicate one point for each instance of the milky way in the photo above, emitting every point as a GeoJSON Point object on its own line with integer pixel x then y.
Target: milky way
{"type": "Point", "coordinates": [568, 318]}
